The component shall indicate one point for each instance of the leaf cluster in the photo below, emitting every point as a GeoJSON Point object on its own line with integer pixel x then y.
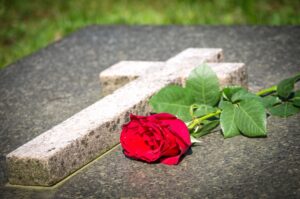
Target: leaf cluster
{"type": "Point", "coordinates": [203, 105]}
{"type": "Point", "coordinates": [285, 101]}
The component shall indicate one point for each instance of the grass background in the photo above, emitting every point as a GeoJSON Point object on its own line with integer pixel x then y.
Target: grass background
{"type": "Point", "coordinates": [26, 26]}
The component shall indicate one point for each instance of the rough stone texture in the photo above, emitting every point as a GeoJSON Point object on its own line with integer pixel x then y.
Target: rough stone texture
{"type": "Point", "coordinates": [67, 77]}
{"type": "Point", "coordinates": [68, 146]}
{"type": "Point", "coordinates": [123, 72]}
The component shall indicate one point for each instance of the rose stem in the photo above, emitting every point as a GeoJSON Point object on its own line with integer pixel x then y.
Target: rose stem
{"type": "Point", "coordinates": [267, 91]}
{"type": "Point", "coordinates": [198, 120]}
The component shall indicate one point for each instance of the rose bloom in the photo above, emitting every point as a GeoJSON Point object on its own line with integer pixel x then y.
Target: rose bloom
{"type": "Point", "coordinates": [155, 138]}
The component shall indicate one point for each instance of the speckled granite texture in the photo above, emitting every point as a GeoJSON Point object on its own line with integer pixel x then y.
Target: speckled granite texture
{"type": "Point", "coordinates": [47, 87]}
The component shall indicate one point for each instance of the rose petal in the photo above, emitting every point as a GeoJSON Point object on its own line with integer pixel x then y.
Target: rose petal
{"type": "Point", "coordinates": [179, 128]}
{"type": "Point", "coordinates": [135, 147]}
{"type": "Point", "coordinates": [160, 137]}
{"type": "Point", "coordinates": [171, 160]}
{"type": "Point", "coordinates": [163, 116]}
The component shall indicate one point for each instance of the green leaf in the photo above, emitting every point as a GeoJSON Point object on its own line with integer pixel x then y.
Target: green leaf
{"type": "Point", "coordinates": [244, 95]}
{"type": "Point", "coordinates": [251, 118]}
{"type": "Point", "coordinates": [296, 98]}
{"type": "Point", "coordinates": [203, 110]}
{"type": "Point", "coordinates": [227, 120]}
{"type": "Point", "coordinates": [173, 99]}
{"type": "Point", "coordinates": [221, 103]}
{"type": "Point", "coordinates": [205, 128]}
{"type": "Point", "coordinates": [229, 91]}
{"type": "Point", "coordinates": [270, 101]}
{"type": "Point", "coordinates": [204, 84]}
{"type": "Point", "coordinates": [286, 86]}
{"type": "Point", "coordinates": [284, 110]}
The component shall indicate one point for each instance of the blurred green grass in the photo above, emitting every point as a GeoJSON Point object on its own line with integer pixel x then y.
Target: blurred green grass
{"type": "Point", "coordinates": [26, 26]}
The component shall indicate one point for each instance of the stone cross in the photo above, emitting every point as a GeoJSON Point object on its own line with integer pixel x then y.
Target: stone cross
{"type": "Point", "coordinates": [68, 146]}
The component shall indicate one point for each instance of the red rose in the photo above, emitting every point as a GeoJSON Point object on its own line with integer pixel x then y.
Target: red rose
{"type": "Point", "coordinates": [155, 138]}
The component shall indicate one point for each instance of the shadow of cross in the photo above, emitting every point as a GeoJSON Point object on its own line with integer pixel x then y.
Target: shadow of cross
{"type": "Point", "coordinates": [58, 152]}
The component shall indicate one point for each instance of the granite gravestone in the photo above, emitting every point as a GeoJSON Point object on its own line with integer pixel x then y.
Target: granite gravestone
{"type": "Point", "coordinates": [68, 146]}
{"type": "Point", "coordinates": [58, 79]}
